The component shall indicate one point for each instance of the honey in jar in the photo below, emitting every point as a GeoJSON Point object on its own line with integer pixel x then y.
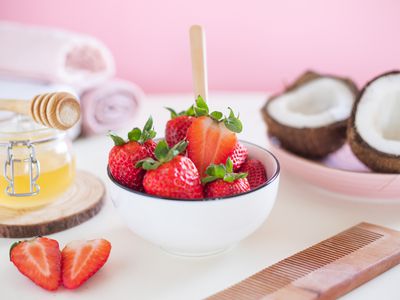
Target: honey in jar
{"type": "Point", "coordinates": [37, 163]}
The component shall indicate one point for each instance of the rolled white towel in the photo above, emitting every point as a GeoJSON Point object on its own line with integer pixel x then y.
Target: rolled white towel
{"type": "Point", "coordinates": [110, 106]}
{"type": "Point", "coordinates": [53, 55]}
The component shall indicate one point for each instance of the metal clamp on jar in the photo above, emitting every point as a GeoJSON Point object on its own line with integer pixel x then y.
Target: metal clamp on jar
{"type": "Point", "coordinates": [36, 162]}
{"type": "Point", "coordinates": [33, 166]}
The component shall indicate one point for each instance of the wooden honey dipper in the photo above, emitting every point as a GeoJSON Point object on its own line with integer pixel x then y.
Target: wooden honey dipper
{"type": "Point", "coordinates": [59, 110]}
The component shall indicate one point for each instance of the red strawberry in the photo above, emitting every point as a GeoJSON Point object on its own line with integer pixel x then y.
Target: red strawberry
{"type": "Point", "coordinates": [221, 181]}
{"type": "Point", "coordinates": [124, 155]}
{"type": "Point", "coordinates": [238, 156]}
{"type": "Point", "coordinates": [151, 146]}
{"type": "Point", "coordinates": [176, 128]}
{"type": "Point", "coordinates": [221, 188]}
{"type": "Point", "coordinates": [40, 260]}
{"type": "Point", "coordinates": [256, 172]}
{"type": "Point", "coordinates": [211, 136]}
{"type": "Point", "coordinates": [171, 175]}
{"type": "Point", "coordinates": [82, 259]}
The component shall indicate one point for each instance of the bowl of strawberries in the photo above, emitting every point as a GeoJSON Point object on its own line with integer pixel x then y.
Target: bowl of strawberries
{"type": "Point", "coordinates": [197, 192]}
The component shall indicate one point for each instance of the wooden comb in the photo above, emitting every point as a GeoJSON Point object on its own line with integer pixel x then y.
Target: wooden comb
{"type": "Point", "coordinates": [59, 110]}
{"type": "Point", "coordinates": [326, 270]}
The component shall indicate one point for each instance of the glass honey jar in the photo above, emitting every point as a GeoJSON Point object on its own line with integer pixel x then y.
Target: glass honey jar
{"type": "Point", "coordinates": [37, 163]}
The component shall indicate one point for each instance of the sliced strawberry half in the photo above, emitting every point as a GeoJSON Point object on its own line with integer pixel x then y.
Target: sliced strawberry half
{"type": "Point", "coordinates": [38, 259]}
{"type": "Point", "coordinates": [82, 259]}
{"type": "Point", "coordinates": [210, 142]}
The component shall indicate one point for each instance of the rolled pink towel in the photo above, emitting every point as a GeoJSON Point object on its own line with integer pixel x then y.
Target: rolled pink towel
{"type": "Point", "coordinates": [53, 55]}
{"type": "Point", "coordinates": [110, 106]}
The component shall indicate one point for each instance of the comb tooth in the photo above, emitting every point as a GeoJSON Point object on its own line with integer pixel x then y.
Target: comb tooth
{"type": "Point", "coordinates": [279, 272]}
{"type": "Point", "coordinates": [299, 265]}
{"type": "Point", "coordinates": [272, 282]}
{"type": "Point", "coordinates": [361, 237]}
{"type": "Point", "coordinates": [263, 278]}
{"type": "Point", "coordinates": [317, 252]}
{"type": "Point", "coordinates": [255, 288]}
{"type": "Point", "coordinates": [240, 292]}
{"type": "Point", "coordinates": [338, 247]}
{"type": "Point", "coordinates": [361, 240]}
{"type": "Point", "coordinates": [358, 234]}
{"type": "Point", "coordinates": [224, 295]}
{"type": "Point", "coordinates": [317, 258]}
{"type": "Point", "coordinates": [330, 251]}
{"type": "Point", "coordinates": [291, 274]}
{"type": "Point", "coordinates": [365, 232]}
{"type": "Point", "coordinates": [291, 263]}
{"type": "Point", "coordinates": [299, 260]}
{"type": "Point", "coordinates": [346, 244]}
{"type": "Point", "coordinates": [327, 251]}
{"type": "Point", "coordinates": [251, 290]}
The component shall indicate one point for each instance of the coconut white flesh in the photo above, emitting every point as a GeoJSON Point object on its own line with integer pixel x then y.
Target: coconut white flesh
{"type": "Point", "coordinates": [318, 103]}
{"type": "Point", "coordinates": [377, 117]}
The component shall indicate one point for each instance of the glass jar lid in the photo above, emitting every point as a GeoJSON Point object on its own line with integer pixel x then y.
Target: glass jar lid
{"type": "Point", "coordinates": [23, 128]}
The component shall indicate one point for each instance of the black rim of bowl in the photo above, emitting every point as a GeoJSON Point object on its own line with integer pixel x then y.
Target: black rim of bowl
{"type": "Point", "coordinates": [268, 182]}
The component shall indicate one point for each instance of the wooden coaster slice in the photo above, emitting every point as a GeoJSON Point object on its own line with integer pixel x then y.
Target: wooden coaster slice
{"type": "Point", "coordinates": [79, 203]}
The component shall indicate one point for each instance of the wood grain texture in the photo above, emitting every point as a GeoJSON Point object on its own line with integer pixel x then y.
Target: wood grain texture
{"type": "Point", "coordinates": [59, 110]}
{"type": "Point", "coordinates": [80, 202]}
{"type": "Point", "coordinates": [326, 270]}
{"type": "Point", "coordinates": [199, 61]}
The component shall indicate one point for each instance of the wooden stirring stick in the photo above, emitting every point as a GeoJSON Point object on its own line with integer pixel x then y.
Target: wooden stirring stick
{"type": "Point", "coordinates": [59, 110]}
{"type": "Point", "coordinates": [199, 65]}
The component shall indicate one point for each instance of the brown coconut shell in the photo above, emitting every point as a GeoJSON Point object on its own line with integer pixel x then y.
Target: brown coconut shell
{"type": "Point", "coordinates": [314, 142]}
{"type": "Point", "coordinates": [374, 159]}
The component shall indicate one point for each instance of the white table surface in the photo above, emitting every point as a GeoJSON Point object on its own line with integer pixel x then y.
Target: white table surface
{"type": "Point", "coordinates": [137, 269]}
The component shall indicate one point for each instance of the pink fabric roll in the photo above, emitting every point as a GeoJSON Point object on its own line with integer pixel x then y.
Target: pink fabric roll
{"type": "Point", "coordinates": [53, 55]}
{"type": "Point", "coordinates": [110, 106]}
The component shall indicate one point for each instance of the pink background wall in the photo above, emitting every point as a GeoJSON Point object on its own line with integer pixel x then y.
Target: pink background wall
{"type": "Point", "coordinates": [257, 46]}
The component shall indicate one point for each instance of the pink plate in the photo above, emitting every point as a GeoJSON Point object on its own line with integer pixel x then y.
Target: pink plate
{"type": "Point", "coordinates": [340, 172]}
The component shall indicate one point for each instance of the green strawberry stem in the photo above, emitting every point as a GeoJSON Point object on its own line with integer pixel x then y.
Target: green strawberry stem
{"type": "Point", "coordinates": [189, 112]}
{"type": "Point", "coordinates": [221, 171]}
{"type": "Point", "coordinates": [141, 136]}
{"type": "Point", "coordinates": [118, 141]}
{"type": "Point", "coordinates": [136, 135]}
{"type": "Point", "coordinates": [231, 122]}
{"type": "Point", "coordinates": [163, 155]}
{"type": "Point", "coordinates": [13, 246]}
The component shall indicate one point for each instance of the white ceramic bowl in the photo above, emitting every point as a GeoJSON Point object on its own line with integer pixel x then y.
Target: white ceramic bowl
{"type": "Point", "coordinates": [199, 227]}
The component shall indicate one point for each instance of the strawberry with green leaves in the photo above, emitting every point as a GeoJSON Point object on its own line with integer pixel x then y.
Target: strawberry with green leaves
{"type": "Point", "coordinates": [221, 181]}
{"type": "Point", "coordinates": [125, 154]}
{"type": "Point", "coordinates": [177, 126]}
{"type": "Point", "coordinates": [212, 138]}
{"type": "Point", "coordinates": [170, 174]}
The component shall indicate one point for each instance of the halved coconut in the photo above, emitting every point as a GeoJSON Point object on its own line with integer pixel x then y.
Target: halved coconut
{"type": "Point", "coordinates": [374, 126]}
{"type": "Point", "coordinates": [310, 117]}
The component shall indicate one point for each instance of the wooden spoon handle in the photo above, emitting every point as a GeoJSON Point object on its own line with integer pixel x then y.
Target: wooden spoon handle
{"type": "Point", "coordinates": [15, 105]}
{"type": "Point", "coordinates": [59, 110]}
{"type": "Point", "coordinates": [199, 65]}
